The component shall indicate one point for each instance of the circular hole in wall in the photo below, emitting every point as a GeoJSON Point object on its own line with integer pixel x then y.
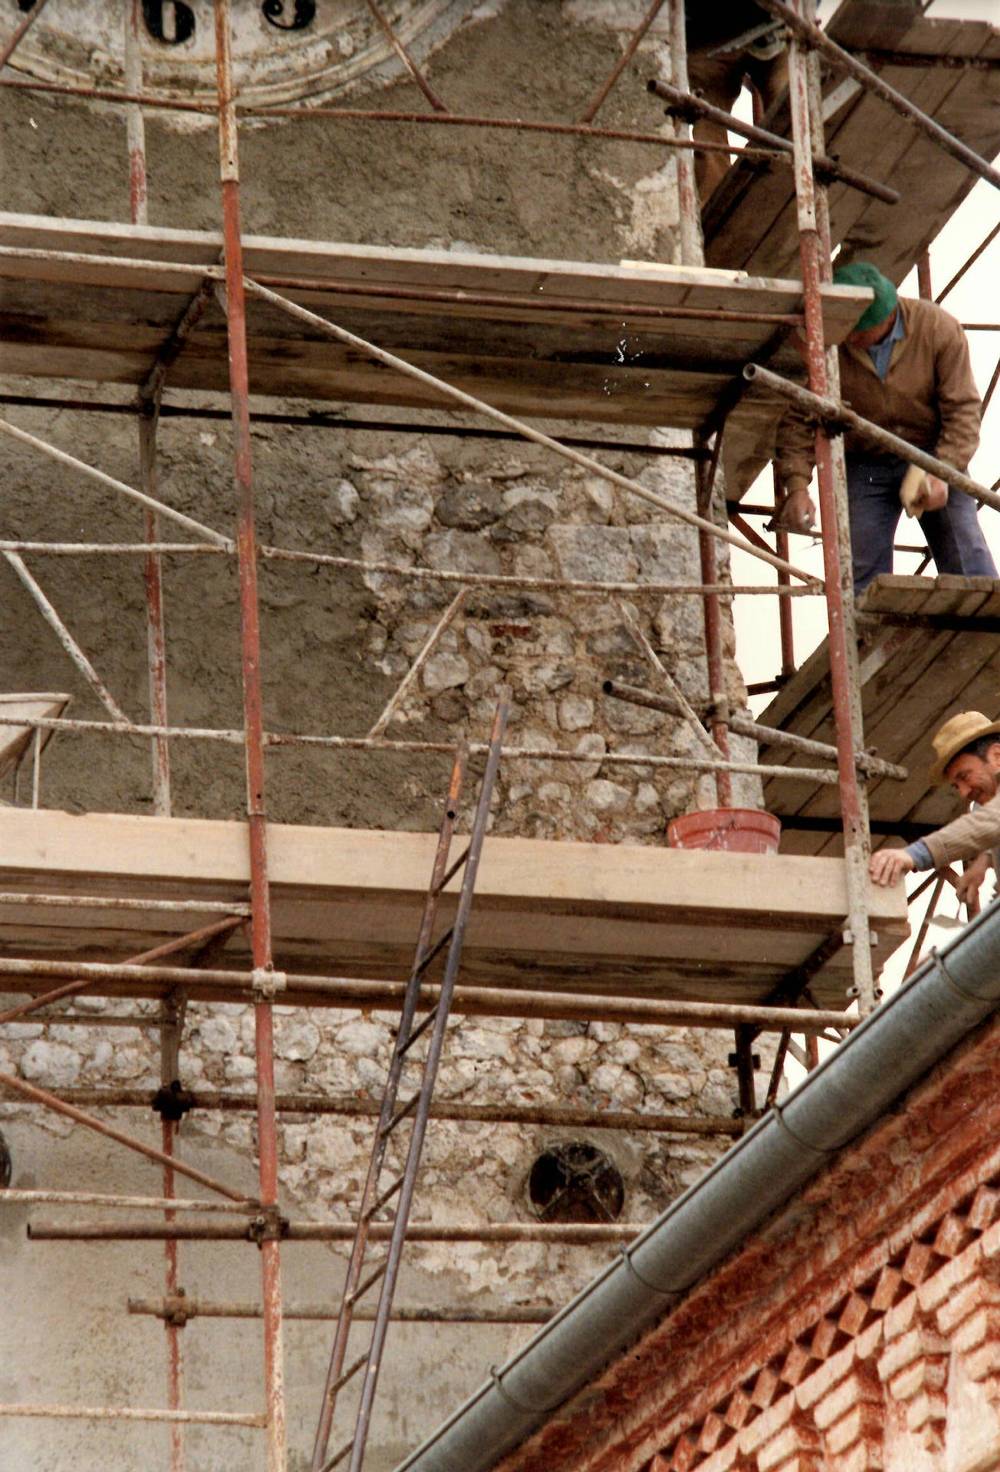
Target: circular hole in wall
{"type": "Point", "coordinates": [575, 1182]}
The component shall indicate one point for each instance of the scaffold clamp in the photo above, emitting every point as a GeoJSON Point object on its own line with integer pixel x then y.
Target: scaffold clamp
{"type": "Point", "coordinates": [265, 984]}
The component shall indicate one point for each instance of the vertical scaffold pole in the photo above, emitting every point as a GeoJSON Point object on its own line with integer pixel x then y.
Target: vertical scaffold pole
{"type": "Point", "coordinates": [823, 378]}
{"type": "Point", "coordinates": [712, 609]}
{"type": "Point", "coordinates": [156, 654]}
{"type": "Point", "coordinates": [689, 209]}
{"type": "Point", "coordinates": [253, 718]}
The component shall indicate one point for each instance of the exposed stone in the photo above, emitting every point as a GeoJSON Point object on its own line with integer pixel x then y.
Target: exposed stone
{"type": "Point", "coordinates": [444, 671]}
{"type": "Point", "coordinates": [297, 1040]}
{"type": "Point", "coordinates": [607, 797]}
{"type": "Point", "coordinates": [461, 551]}
{"type": "Point", "coordinates": [55, 1064]}
{"type": "Point", "coordinates": [470, 506]}
{"type": "Point", "coordinates": [217, 1034]}
{"type": "Point", "coordinates": [576, 712]}
{"type": "Point", "coordinates": [528, 510]}
{"type": "Point", "coordinates": [594, 553]}
{"type": "Point", "coordinates": [591, 744]}
{"type": "Point", "coordinates": [340, 503]}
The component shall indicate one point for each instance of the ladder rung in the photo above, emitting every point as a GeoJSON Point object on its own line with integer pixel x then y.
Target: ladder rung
{"type": "Point", "coordinates": [435, 950]}
{"type": "Point", "coordinates": [338, 1456]}
{"type": "Point", "coordinates": [417, 1031]}
{"type": "Point", "coordinates": [401, 1114]}
{"type": "Point", "coordinates": [362, 1359]}
{"type": "Point", "coordinates": [386, 1195]}
{"type": "Point", "coordinates": [449, 876]}
{"type": "Point", "coordinates": [372, 1278]}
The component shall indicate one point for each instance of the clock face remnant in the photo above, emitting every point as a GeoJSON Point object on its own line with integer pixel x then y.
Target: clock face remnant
{"type": "Point", "coordinates": [283, 50]}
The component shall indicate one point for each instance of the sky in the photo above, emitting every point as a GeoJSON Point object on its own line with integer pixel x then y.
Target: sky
{"type": "Point", "coordinates": [975, 299]}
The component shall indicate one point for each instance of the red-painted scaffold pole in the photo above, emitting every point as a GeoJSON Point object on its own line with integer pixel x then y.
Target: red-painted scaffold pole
{"type": "Point", "coordinates": [815, 258]}
{"type": "Point", "coordinates": [254, 740]}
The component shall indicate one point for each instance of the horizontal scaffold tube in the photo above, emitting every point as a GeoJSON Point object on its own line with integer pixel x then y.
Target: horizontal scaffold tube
{"type": "Point", "coordinates": [275, 739]}
{"type": "Point", "coordinates": [177, 1310]}
{"type": "Point", "coordinates": [346, 991]}
{"type": "Point", "coordinates": [350, 1106]}
{"type": "Point", "coordinates": [837, 415]}
{"type": "Point", "coordinates": [575, 1234]}
{"type": "Point", "coordinates": [744, 725]}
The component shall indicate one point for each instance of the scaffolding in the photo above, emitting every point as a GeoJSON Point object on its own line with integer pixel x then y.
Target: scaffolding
{"type": "Point", "coordinates": [790, 1008]}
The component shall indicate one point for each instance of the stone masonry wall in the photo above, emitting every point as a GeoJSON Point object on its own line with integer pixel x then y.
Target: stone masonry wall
{"type": "Point", "coordinates": [336, 645]}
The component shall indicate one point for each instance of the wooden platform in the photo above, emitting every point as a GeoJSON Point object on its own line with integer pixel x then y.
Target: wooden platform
{"type": "Point", "coordinates": [912, 679]}
{"type": "Point", "coordinates": [615, 920]}
{"type": "Point", "coordinates": [750, 220]}
{"type": "Point", "coordinates": [559, 339]}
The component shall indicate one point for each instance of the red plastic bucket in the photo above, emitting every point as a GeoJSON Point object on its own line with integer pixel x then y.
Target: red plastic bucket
{"type": "Point", "coordinates": [732, 830]}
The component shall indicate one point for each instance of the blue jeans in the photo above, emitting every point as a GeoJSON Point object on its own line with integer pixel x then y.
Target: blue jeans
{"type": "Point", "coordinates": [952, 534]}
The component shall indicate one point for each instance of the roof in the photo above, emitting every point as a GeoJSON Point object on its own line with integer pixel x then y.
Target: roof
{"type": "Point", "coordinates": [921, 1024]}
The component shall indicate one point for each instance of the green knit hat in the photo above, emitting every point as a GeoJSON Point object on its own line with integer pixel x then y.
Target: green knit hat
{"type": "Point", "coordinates": [861, 273]}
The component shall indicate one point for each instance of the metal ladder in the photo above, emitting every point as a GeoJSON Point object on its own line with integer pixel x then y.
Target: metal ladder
{"type": "Point", "coordinates": [392, 1114]}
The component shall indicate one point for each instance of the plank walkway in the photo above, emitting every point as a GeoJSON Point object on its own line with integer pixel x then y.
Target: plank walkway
{"type": "Point", "coordinates": [750, 220]}
{"type": "Point", "coordinates": [559, 339]}
{"type": "Point", "coordinates": [912, 680]}
{"type": "Point", "coordinates": [613, 920]}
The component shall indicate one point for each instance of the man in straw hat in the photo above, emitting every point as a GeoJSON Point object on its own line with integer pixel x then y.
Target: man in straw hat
{"type": "Point", "coordinates": [905, 367]}
{"type": "Point", "coordinates": [967, 755]}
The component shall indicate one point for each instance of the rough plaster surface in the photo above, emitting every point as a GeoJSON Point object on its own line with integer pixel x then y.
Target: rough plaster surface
{"type": "Point", "coordinates": [335, 647]}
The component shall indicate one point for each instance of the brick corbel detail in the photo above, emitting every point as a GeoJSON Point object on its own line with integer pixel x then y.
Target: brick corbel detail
{"type": "Point", "coordinates": [795, 1447]}
{"type": "Point", "coordinates": [971, 1317]}
{"type": "Point", "coordinates": [851, 1418]}
{"type": "Point", "coordinates": [914, 1370]}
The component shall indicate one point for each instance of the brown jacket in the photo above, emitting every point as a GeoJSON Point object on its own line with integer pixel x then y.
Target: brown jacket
{"type": "Point", "coordinates": [929, 396]}
{"type": "Point", "coordinates": [973, 833]}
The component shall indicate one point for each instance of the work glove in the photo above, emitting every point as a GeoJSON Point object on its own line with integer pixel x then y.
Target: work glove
{"type": "Point", "coordinates": [920, 492]}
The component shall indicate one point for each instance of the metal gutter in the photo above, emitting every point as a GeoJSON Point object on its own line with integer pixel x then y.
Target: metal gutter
{"type": "Point", "coordinates": [953, 991]}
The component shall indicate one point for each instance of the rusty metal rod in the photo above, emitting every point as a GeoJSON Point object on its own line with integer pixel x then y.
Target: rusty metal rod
{"type": "Point", "coordinates": [968, 263]}
{"type": "Point", "coordinates": [167, 948]}
{"type": "Point", "coordinates": [133, 1413]}
{"type": "Point", "coordinates": [353, 992]}
{"type": "Point", "coordinates": [20, 31]}
{"type": "Point", "coordinates": [744, 725]}
{"type": "Point", "coordinates": [447, 618]}
{"type": "Point", "coordinates": [351, 1107]}
{"type": "Point", "coordinates": [837, 415]}
{"type": "Point", "coordinates": [253, 721]}
{"type": "Point", "coordinates": [403, 53]}
{"type": "Point", "coordinates": [410, 370]}
{"type": "Point", "coordinates": [586, 1234]}
{"type": "Point", "coordinates": [109, 481]}
{"type": "Point", "coordinates": [62, 633]}
{"type": "Point", "coordinates": [11, 1196]}
{"type": "Point", "coordinates": [120, 902]}
{"type": "Point", "coordinates": [418, 574]}
{"type": "Point", "coordinates": [476, 748]}
{"type": "Point", "coordinates": [51, 1101]}
{"type": "Point", "coordinates": [687, 106]}
{"type": "Point", "coordinates": [517, 125]}
{"type": "Point", "coordinates": [631, 47]}
{"type": "Point", "coordinates": [181, 1308]}
{"type": "Point", "coordinates": [811, 35]}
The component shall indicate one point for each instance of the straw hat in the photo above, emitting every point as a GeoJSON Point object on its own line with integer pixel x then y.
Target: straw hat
{"type": "Point", "coordinates": [955, 735]}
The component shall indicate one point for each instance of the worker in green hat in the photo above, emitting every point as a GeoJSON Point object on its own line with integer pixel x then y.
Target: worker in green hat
{"type": "Point", "coordinates": [905, 366]}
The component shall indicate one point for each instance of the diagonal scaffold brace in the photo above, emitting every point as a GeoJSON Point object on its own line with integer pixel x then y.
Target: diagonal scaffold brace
{"type": "Point", "coordinates": [376, 1196]}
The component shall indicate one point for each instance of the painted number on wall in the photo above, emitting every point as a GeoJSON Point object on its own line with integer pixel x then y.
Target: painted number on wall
{"type": "Point", "coordinates": [172, 22]}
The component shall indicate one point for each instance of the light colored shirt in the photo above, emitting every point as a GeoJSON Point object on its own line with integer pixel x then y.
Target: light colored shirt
{"type": "Point", "coordinates": [881, 352]}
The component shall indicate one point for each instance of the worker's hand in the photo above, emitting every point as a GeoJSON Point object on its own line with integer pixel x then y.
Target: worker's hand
{"type": "Point", "coordinates": [889, 865]}
{"type": "Point", "coordinates": [796, 512]}
{"type": "Point", "coordinates": [967, 887]}
{"type": "Point", "coordinates": [936, 494]}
